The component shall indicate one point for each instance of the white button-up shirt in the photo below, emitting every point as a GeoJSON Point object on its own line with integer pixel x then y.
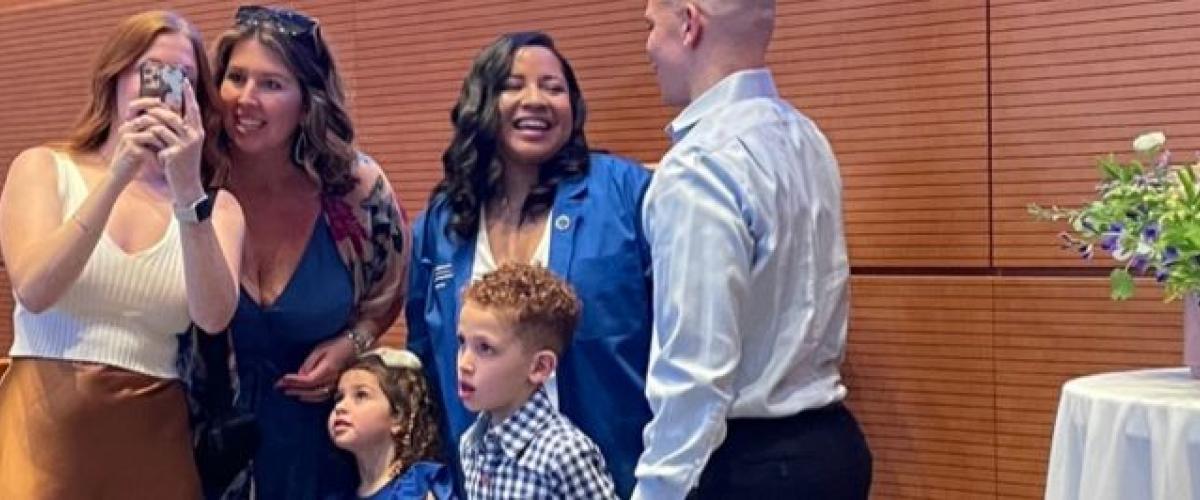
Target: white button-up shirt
{"type": "Point", "coordinates": [751, 277]}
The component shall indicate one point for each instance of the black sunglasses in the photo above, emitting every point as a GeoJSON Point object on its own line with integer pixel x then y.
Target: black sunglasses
{"type": "Point", "coordinates": [285, 21]}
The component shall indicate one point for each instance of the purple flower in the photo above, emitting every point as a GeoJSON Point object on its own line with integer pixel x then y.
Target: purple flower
{"type": "Point", "coordinates": [1161, 275]}
{"type": "Point", "coordinates": [1170, 255]}
{"type": "Point", "coordinates": [1150, 233]}
{"type": "Point", "coordinates": [1108, 243]}
{"type": "Point", "coordinates": [1163, 159]}
{"type": "Point", "coordinates": [1139, 263]}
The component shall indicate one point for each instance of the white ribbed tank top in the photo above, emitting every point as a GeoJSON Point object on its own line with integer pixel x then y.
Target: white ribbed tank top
{"type": "Point", "coordinates": [124, 310]}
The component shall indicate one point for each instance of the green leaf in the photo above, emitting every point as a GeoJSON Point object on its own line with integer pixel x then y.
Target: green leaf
{"type": "Point", "coordinates": [1188, 180]}
{"type": "Point", "coordinates": [1108, 167]}
{"type": "Point", "coordinates": [1122, 284]}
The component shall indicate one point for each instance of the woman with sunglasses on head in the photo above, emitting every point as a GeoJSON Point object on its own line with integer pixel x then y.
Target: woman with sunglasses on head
{"type": "Point", "coordinates": [521, 185]}
{"type": "Point", "coordinates": [326, 246]}
{"type": "Point", "coordinates": [112, 244]}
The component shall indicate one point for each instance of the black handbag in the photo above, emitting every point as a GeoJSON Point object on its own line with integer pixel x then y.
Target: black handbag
{"type": "Point", "coordinates": [224, 436]}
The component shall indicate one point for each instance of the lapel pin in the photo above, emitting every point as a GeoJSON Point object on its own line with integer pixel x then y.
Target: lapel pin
{"type": "Point", "coordinates": [562, 222]}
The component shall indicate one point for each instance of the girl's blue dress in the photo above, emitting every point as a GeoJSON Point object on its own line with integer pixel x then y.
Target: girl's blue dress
{"type": "Point", "coordinates": [421, 479]}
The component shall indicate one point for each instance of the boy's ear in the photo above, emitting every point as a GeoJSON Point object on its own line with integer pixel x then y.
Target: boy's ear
{"type": "Point", "coordinates": [544, 363]}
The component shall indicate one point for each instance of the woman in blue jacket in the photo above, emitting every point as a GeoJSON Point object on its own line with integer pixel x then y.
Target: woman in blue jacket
{"type": "Point", "coordinates": [521, 185]}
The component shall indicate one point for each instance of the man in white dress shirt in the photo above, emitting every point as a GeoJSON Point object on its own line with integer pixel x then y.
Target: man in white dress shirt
{"type": "Point", "coordinates": [751, 278]}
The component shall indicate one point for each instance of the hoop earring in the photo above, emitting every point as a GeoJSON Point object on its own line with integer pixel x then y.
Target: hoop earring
{"type": "Point", "coordinates": [298, 147]}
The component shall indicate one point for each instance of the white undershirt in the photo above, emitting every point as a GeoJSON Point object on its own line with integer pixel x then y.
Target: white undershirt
{"type": "Point", "coordinates": [485, 263]}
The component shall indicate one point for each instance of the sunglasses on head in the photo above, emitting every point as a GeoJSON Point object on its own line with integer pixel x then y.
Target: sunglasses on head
{"type": "Point", "coordinates": [287, 22]}
{"type": "Point", "coordinates": [284, 21]}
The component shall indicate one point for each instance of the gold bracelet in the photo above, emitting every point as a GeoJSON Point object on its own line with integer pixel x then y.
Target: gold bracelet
{"type": "Point", "coordinates": [82, 227]}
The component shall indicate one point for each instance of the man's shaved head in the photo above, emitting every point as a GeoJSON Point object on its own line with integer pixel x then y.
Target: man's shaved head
{"type": "Point", "coordinates": [693, 44]}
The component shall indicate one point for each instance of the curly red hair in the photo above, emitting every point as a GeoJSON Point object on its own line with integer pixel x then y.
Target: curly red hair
{"type": "Point", "coordinates": [541, 307]}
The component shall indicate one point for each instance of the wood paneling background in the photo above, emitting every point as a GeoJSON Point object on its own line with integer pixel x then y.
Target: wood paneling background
{"type": "Point", "coordinates": [900, 88]}
{"type": "Point", "coordinates": [948, 117]}
{"type": "Point", "coordinates": [1072, 81]}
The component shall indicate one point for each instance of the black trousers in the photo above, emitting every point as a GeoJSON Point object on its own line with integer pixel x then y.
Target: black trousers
{"type": "Point", "coordinates": [816, 454]}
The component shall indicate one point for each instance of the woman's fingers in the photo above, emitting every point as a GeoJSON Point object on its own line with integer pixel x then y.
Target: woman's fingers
{"type": "Point", "coordinates": [165, 136]}
{"type": "Point", "coordinates": [167, 118]}
{"type": "Point", "coordinates": [191, 113]}
{"type": "Point", "coordinates": [141, 105]}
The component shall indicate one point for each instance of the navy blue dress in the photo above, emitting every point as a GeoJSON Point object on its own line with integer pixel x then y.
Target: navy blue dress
{"type": "Point", "coordinates": [296, 460]}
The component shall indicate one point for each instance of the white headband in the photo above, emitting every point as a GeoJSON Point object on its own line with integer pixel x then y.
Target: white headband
{"type": "Point", "coordinates": [396, 358]}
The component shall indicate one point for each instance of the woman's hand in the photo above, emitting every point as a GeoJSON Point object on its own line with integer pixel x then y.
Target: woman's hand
{"type": "Point", "coordinates": [315, 380]}
{"type": "Point", "coordinates": [183, 140]}
{"type": "Point", "coordinates": [136, 143]}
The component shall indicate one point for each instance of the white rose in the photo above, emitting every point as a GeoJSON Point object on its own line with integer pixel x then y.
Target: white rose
{"type": "Point", "coordinates": [1149, 142]}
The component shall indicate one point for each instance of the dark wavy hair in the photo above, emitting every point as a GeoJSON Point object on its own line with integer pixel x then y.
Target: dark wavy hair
{"type": "Point", "coordinates": [412, 403]}
{"type": "Point", "coordinates": [324, 141]}
{"type": "Point", "coordinates": [472, 165]}
{"type": "Point", "coordinates": [132, 38]}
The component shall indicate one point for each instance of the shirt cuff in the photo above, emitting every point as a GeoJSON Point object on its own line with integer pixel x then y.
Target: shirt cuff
{"type": "Point", "coordinates": [658, 489]}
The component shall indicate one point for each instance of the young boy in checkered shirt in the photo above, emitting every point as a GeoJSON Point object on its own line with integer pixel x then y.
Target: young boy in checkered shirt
{"type": "Point", "coordinates": [515, 323]}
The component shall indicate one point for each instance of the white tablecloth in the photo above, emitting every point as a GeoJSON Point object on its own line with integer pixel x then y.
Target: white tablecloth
{"type": "Point", "coordinates": [1127, 436]}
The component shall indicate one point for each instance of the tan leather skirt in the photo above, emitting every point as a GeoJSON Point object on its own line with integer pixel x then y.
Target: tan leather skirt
{"type": "Point", "coordinates": [73, 430]}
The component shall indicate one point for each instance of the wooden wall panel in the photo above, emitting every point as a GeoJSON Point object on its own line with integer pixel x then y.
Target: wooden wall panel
{"type": "Point", "coordinates": [956, 380]}
{"type": "Point", "coordinates": [920, 371]}
{"type": "Point", "coordinates": [900, 88]}
{"type": "Point", "coordinates": [1072, 81]}
{"type": "Point", "coordinates": [1048, 330]}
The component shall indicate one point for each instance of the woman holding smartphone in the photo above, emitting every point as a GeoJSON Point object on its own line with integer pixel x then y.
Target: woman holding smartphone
{"type": "Point", "coordinates": [112, 245]}
{"type": "Point", "coordinates": [326, 250]}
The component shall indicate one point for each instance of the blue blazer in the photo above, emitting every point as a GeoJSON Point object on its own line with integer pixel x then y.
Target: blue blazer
{"type": "Point", "coordinates": [598, 246]}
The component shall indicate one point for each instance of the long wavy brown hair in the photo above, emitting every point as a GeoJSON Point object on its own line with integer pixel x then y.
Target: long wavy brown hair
{"type": "Point", "coordinates": [132, 38]}
{"type": "Point", "coordinates": [412, 405]}
{"type": "Point", "coordinates": [324, 142]}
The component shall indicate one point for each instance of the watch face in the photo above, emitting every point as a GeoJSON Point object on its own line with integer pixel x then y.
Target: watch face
{"type": "Point", "coordinates": [199, 211]}
{"type": "Point", "coordinates": [204, 207]}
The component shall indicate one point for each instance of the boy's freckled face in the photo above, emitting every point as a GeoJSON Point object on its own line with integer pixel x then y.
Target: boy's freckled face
{"type": "Point", "coordinates": [494, 367]}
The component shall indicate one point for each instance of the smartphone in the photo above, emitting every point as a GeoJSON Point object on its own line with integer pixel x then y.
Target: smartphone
{"type": "Point", "coordinates": [163, 81]}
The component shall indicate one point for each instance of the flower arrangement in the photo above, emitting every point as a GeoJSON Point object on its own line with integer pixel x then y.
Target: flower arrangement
{"type": "Point", "coordinates": [1147, 217]}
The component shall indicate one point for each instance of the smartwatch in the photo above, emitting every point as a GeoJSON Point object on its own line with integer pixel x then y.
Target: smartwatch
{"type": "Point", "coordinates": [197, 211]}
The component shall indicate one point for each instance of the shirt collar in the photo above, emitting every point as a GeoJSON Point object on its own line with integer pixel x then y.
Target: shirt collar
{"type": "Point", "coordinates": [745, 84]}
{"type": "Point", "coordinates": [519, 429]}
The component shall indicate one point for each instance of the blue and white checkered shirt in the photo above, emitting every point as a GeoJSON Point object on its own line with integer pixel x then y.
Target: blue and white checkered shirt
{"type": "Point", "coordinates": [534, 454]}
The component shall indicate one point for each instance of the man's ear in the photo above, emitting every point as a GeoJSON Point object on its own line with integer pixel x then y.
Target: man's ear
{"type": "Point", "coordinates": [544, 363]}
{"type": "Point", "coordinates": [693, 26]}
